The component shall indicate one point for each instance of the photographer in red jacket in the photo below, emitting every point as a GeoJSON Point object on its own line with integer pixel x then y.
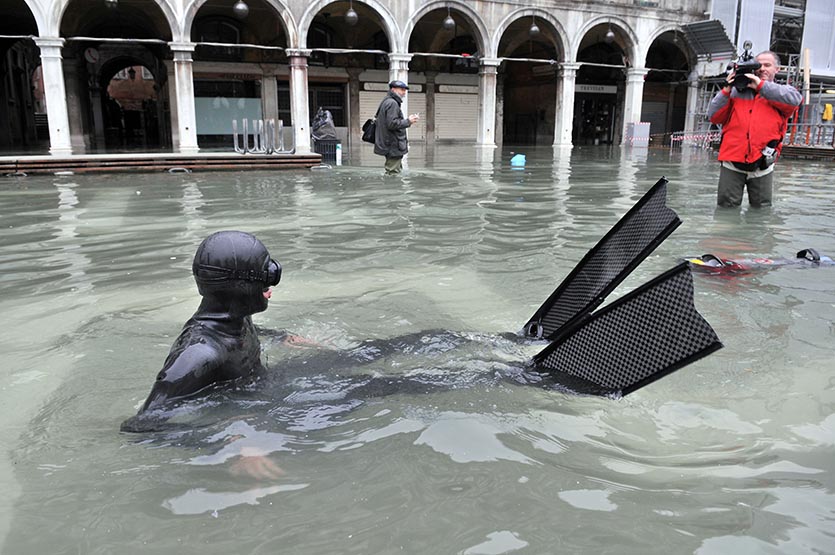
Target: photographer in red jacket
{"type": "Point", "coordinates": [753, 111]}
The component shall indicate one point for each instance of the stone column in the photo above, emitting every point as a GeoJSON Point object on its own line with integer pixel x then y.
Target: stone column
{"type": "Point", "coordinates": [171, 83]}
{"type": "Point", "coordinates": [500, 77]}
{"type": "Point", "coordinates": [430, 108]}
{"type": "Point", "coordinates": [671, 104]}
{"type": "Point", "coordinates": [399, 71]}
{"type": "Point", "coordinates": [75, 88]}
{"type": "Point", "coordinates": [692, 102]}
{"type": "Point", "coordinates": [299, 106]}
{"type": "Point", "coordinates": [186, 121]}
{"type": "Point", "coordinates": [98, 117]}
{"type": "Point", "coordinates": [55, 95]}
{"type": "Point", "coordinates": [634, 96]}
{"type": "Point", "coordinates": [487, 70]}
{"type": "Point", "coordinates": [355, 119]}
{"type": "Point", "coordinates": [564, 118]}
{"type": "Point", "coordinates": [269, 94]}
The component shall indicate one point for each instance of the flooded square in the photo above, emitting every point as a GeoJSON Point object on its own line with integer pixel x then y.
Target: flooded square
{"type": "Point", "coordinates": [435, 443]}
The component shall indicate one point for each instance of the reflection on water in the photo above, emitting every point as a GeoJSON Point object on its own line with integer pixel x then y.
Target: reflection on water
{"type": "Point", "coordinates": [416, 427]}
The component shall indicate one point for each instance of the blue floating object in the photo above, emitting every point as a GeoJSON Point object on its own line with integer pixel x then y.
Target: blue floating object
{"type": "Point", "coordinates": [518, 160]}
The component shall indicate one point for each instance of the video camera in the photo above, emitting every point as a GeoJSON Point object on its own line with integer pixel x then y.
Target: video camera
{"type": "Point", "coordinates": [746, 64]}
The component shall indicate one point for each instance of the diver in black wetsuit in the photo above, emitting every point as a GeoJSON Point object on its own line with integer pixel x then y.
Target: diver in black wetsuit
{"type": "Point", "coordinates": [643, 336]}
{"type": "Point", "coordinates": [234, 272]}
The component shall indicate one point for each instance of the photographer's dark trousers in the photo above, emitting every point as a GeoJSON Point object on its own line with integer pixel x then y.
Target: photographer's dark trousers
{"type": "Point", "coordinates": [394, 165]}
{"type": "Point", "coordinates": [732, 183]}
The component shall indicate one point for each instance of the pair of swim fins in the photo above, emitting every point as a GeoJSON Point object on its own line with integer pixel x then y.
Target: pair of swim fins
{"type": "Point", "coordinates": [644, 335]}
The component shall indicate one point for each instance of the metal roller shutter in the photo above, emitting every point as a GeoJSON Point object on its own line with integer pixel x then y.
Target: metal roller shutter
{"type": "Point", "coordinates": [456, 116]}
{"type": "Point", "coordinates": [417, 105]}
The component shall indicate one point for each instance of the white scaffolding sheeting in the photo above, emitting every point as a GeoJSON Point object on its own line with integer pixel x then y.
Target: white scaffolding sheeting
{"type": "Point", "coordinates": [755, 19]}
{"type": "Point", "coordinates": [819, 35]}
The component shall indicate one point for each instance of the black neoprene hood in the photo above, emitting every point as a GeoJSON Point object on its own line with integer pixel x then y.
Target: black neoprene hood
{"type": "Point", "coordinates": [225, 257]}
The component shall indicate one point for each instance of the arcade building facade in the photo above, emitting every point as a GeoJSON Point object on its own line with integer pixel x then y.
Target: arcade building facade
{"type": "Point", "coordinates": [106, 76]}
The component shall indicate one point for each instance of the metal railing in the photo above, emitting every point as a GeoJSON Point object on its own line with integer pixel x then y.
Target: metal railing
{"type": "Point", "coordinates": [696, 139]}
{"type": "Point", "coordinates": [811, 134]}
{"type": "Point", "coordinates": [267, 137]}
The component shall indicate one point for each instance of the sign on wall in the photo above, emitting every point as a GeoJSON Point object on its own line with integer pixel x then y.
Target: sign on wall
{"type": "Point", "coordinates": [383, 87]}
{"type": "Point", "coordinates": [596, 89]}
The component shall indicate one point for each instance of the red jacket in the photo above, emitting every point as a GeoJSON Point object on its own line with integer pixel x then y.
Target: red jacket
{"type": "Point", "coordinates": [750, 119]}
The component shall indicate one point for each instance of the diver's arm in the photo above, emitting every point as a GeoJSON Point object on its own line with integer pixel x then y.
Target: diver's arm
{"type": "Point", "coordinates": [187, 372]}
{"type": "Point", "coordinates": [289, 339]}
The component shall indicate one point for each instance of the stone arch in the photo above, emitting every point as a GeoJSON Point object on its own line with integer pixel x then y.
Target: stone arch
{"type": "Point", "coordinates": [390, 27]}
{"type": "Point", "coordinates": [115, 64]}
{"type": "Point", "coordinates": [59, 9]}
{"type": "Point", "coordinates": [482, 35]}
{"type": "Point", "coordinates": [658, 31]}
{"type": "Point", "coordinates": [284, 14]}
{"type": "Point", "coordinates": [41, 21]}
{"type": "Point", "coordinates": [511, 18]}
{"type": "Point", "coordinates": [632, 47]}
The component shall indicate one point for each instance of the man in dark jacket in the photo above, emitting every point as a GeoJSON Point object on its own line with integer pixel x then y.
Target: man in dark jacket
{"type": "Point", "coordinates": [753, 124]}
{"type": "Point", "coordinates": [390, 140]}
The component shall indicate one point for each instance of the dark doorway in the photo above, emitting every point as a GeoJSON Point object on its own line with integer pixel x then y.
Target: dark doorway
{"type": "Point", "coordinates": [594, 119]}
{"type": "Point", "coordinates": [23, 123]}
{"type": "Point", "coordinates": [131, 111]}
{"type": "Point", "coordinates": [528, 89]}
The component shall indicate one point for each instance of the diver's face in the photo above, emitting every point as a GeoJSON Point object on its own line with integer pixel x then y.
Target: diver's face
{"type": "Point", "coordinates": [272, 275]}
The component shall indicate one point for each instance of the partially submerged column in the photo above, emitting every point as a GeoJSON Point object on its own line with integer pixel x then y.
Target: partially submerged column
{"type": "Point", "coordinates": [79, 140]}
{"type": "Point", "coordinates": [430, 107]}
{"type": "Point", "coordinates": [634, 97]}
{"type": "Point", "coordinates": [299, 107]}
{"type": "Point", "coordinates": [487, 70]}
{"type": "Point", "coordinates": [98, 117]}
{"type": "Point", "coordinates": [500, 78]}
{"type": "Point", "coordinates": [355, 119]}
{"type": "Point", "coordinates": [692, 102]}
{"type": "Point", "coordinates": [399, 71]}
{"type": "Point", "coordinates": [55, 95]}
{"type": "Point", "coordinates": [269, 93]}
{"type": "Point", "coordinates": [564, 120]}
{"type": "Point", "coordinates": [171, 83]}
{"type": "Point", "coordinates": [186, 121]}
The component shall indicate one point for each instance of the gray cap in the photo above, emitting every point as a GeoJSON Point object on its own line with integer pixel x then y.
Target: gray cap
{"type": "Point", "coordinates": [398, 85]}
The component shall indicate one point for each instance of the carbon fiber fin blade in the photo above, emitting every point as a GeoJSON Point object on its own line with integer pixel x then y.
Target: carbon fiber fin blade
{"type": "Point", "coordinates": [607, 264]}
{"type": "Point", "coordinates": [641, 337]}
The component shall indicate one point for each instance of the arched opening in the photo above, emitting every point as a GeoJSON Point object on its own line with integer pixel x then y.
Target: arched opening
{"type": "Point", "coordinates": [450, 80]}
{"type": "Point", "coordinates": [664, 103]}
{"type": "Point", "coordinates": [529, 89]}
{"type": "Point", "coordinates": [130, 107]}
{"type": "Point", "coordinates": [238, 82]}
{"type": "Point", "coordinates": [109, 111]}
{"type": "Point", "coordinates": [600, 86]}
{"type": "Point", "coordinates": [23, 123]}
{"type": "Point", "coordinates": [348, 84]}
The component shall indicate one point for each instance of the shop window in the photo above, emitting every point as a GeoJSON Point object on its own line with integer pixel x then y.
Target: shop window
{"type": "Point", "coordinates": [320, 36]}
{"type": "Point", "coordinates": [329, 96]}
{"type": "Point", "coordinates": [218, 102]}
{"type": "Point", "coordinates": [466, 46]}
{"type": "Point", "coordinates": [285, 114]}
{"type": "Point", "coordinates": [222, 30]}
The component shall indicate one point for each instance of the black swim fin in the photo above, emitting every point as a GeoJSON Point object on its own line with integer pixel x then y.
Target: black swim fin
{"type": "Point", "coordinates": [607, 264]}
{"type": "Point", "coordinates": [641, 337]}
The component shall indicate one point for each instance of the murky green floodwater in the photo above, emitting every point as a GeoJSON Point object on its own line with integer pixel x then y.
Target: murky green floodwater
{"type": "Point", "coordinates": [434, 445]}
